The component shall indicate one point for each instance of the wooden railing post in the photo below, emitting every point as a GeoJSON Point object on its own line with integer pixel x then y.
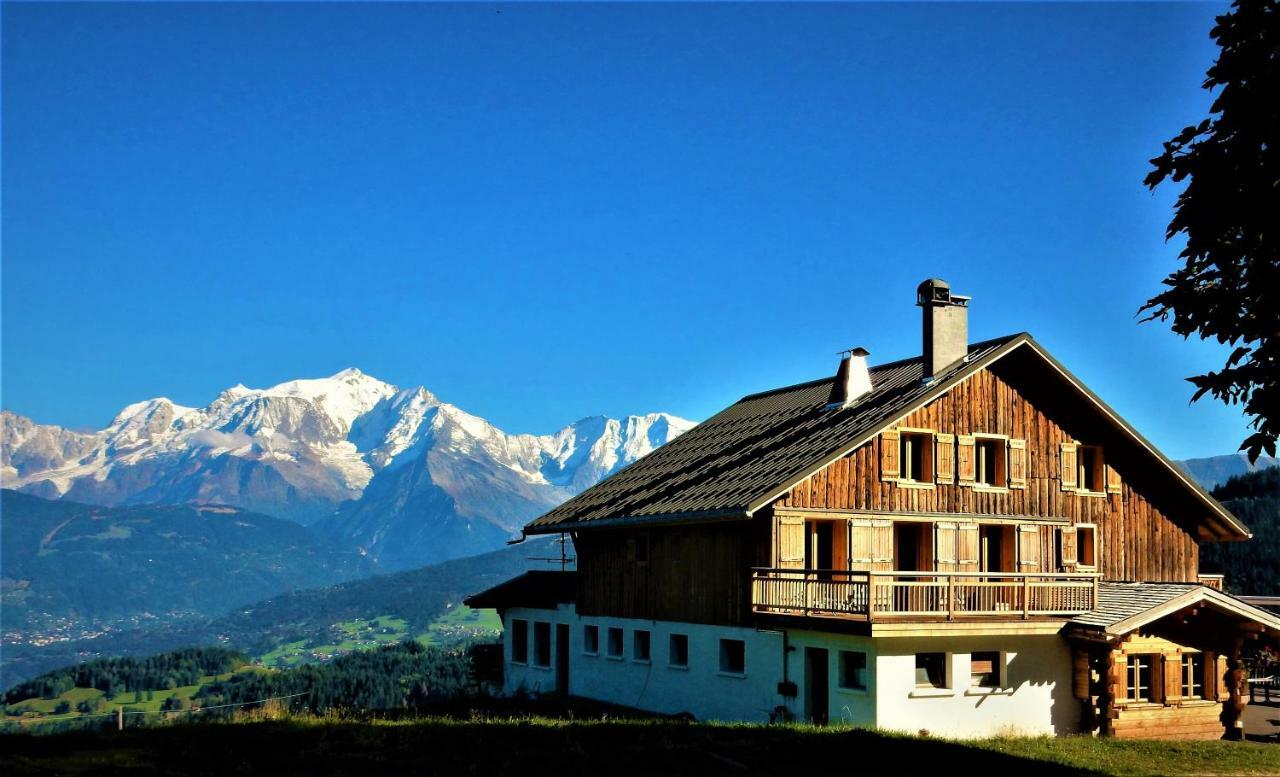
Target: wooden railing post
{"type": "Point", "coordinates": [1026, 597]}
{"type": "Point", "coordinates": [871, 596]}
{"type": "Point", "coordinates": [951, 597]}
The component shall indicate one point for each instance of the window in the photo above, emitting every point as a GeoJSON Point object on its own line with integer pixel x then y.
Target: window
{"type": "Point", "coordinates": [1091, 477]}
{"type": "Point", "coordinates": [1139, 684]}
{"type": "Point", "coordinates": [915, 457]}
{"type": "Point", "coordinates": [615, 643]}
{"type": "Point", "coordinates": [1193, 675]}
{"type": "Point", "coordinates": [984, 668]}
{"type": "Point", "coordinates": [853, 670]}
{"type": "Point", "coordinates": [678, 650]}
{"type": "Point", "coordinates": [640, 645]}
{"type": "Point", "coordinates": [541, 643]}
{"type": "Point", "coordinates": [1087, 545]}
{"type": "Point", "coordinates": [519, 641]}
{"type": "Point", "coordinates": [733, 656]}
{"type": "Point", "coordinates": [591, 640]}
{"type": "Point", "coordinates": [989, 462]}
{"type": "Point", "coordinates": [931, 670]}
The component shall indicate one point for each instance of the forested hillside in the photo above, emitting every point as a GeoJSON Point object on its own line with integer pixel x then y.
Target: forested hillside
{"type": "Point", "coordinates": [1251, 567]}
{"type": "Point", "coordinates": [73, 569]}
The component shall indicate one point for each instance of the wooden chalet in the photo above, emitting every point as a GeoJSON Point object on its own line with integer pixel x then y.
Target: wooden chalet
{"type": "Point", "coordinates": [968, 541]}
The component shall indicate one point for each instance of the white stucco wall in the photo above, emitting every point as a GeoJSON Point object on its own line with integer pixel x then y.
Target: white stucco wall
{"type": "Point", "coordinates": [1034, 697]}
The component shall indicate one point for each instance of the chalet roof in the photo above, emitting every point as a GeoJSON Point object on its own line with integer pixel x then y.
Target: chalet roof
{"type": "Point", "coordinates": [539, 588]}
{"type": "Point", "coordinates": [1123, 607]}
{"type": "Point", "coordinates": [752, 452]}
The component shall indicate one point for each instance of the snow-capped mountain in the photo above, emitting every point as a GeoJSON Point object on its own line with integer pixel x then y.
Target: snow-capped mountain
{"type": "Point", "coordinates": [406, 477]}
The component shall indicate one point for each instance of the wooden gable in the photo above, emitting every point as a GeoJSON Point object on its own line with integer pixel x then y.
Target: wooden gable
{"type": "Point", "coordinates": [1138, 538]}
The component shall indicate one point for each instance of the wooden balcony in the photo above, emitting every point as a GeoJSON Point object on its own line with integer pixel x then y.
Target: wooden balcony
{"type": "Point", "coordinates": [920, 595]}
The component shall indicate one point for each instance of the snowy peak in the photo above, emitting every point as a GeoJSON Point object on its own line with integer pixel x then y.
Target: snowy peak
{"type": "Point", "coordinates": [323, 448]}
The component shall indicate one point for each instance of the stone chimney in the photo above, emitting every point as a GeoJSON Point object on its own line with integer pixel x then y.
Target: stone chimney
{"type": "Point", "coordinates": [853, 379]}
{"type": "Point", "coordinates": [946, 326]}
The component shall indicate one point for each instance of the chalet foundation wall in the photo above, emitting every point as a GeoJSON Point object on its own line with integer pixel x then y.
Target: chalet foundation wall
{"type": "Point", "coordinates": [783, 674]}
{"type": "Point", "coordinates": [1034, 694]}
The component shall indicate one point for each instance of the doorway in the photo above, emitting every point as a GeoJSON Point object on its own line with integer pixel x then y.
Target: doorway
{"type": "Point", "coordinates": [562, 658]}
{"type": "Point", "coordinates": [817, 688]}
{"type": "Point", "coordinates": [820, 552]}
{"type": "Point", "coordinates": [908, 546]}
{"type": "Point", "coordinates": [997, 549]}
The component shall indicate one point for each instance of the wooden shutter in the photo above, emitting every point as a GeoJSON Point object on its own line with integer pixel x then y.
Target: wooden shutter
{"type": "Point", "coordinates": [889, 456]}
{"type": "Point", "coordinates": [945, 457]}
{"type": "Point", "coordinates": [967, 553]}
{"type": "Point", "coordinates": [1172, 663]}
{"type": "Point", "coordinates": [1028, 548]}
{"type": "Point", "coordinates": [882, 544]}
{"type": "Point", "coordinates": [791, 537]}
{"type": "Point", "coordinates": [965, 460]}
{"type": "Point", "coordinates": [1120, 675]}
{"type": "Point", "coordinates": [1017, 464]}
{"type": "Point", "coordinates": [944, 546]}
{"type": "Point", "coordinates": [1113, 480]}
{"type": "Point", "coordinates": [1067, 543]}
{"type": "Point", "coordinates": [1070, 469]}
{"type": "Point", "coordinates": [861, 542]}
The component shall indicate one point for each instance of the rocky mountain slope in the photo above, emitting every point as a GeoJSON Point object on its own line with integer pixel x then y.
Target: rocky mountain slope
{"type": "Point", "coordinates": [397, 472]}
{"type": "Point", "coordinates": [1213, 471]}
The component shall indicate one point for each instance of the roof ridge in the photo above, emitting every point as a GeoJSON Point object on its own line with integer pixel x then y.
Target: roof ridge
{"type": "Point", "coordinates": [975, 346]}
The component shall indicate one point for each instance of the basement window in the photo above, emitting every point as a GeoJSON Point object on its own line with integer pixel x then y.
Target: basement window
{"type": "Point", "coordinates": [853, 670]}
{"type": "Point", "coordinates": [615, 643]}
{"type": "Point", "coordinates": [990, 465]}
{"type": "Point", "coordinates": [591, 640]}
{"type": "Point", "coordinates": [519, 641]}
{"type": "Point", "coordinates": [678, 650]}
{"type": "Point", "coordinates": [1092, 477]}
{"type": "Point", "coordinates": [1193, 675]}
{"type": "Point", "coordinates": [984, 669]}
{"type": "Point", "coordinates": [915, 457]}
{"type": "Point", "coordinates": [931, 670]}
{"type": "Point", "coordinates": [733, 656]}
{"type": "Point", "coordinates": [640, 646]}
{"type": "Point", "coordinates": [541, 643]}
{"type": "Point", "coordinates": [1138, 687]}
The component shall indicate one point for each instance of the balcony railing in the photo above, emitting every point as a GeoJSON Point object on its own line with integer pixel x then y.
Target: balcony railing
{"type": "Point", "coordinates": [883, 595]}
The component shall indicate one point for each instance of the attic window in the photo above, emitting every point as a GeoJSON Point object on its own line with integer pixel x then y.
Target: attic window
{"type": "Point", "coordinates": [1091, 477]}
{"type": "Point", "coordinates": [990, 462]}
{"type": "Point", "coordinates": [915, 457]}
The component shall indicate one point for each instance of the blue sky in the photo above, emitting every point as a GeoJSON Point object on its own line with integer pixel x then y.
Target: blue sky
{"type": "Point", "coordinates": [543, 212]}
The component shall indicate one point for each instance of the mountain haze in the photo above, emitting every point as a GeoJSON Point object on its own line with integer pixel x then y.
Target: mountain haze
{"type": "Point", "coordinates": [407, 478]}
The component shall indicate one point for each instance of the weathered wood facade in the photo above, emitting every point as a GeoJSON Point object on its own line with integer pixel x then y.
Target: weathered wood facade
{"type": "Point", "coordinates": [1138, 540]}
{"type": "Point", "coordinates": [697, 573]}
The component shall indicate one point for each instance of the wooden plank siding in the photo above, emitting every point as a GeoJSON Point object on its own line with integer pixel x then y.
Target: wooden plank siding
{"type": "Point", "coordinates": [1137, 539]}
{"type": "Point", "coordinates": [695, 573]}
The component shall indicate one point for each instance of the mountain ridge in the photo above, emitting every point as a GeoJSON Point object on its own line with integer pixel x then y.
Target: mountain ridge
{"type": "Point", "coordinates": [399, 473]}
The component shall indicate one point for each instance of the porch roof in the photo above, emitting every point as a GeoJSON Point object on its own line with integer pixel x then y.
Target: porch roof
{"type": "Point", "coordinates": [543, 589]}
{"type": "Point", "coordinates": [1124, 607]}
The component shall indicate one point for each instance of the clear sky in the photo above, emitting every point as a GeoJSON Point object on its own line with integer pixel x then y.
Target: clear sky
{"type": "Point", "coordinates": [543, 212]}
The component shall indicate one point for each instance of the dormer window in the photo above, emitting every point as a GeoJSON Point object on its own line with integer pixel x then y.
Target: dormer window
{"type": "Point", "coordinates": [915, 457]}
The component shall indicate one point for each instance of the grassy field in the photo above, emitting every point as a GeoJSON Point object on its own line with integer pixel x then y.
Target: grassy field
{"type": "Point", "coordinates": [458, 625]}
{"type": "Point", "coordinates": [310, 746]}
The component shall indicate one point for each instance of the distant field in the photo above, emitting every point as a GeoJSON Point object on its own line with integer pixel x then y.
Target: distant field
{"type": "Point", "coordinates": [458, 625]}
{"type": "Point", "coordinates": [310, 746]}
{"type": "Point", "coordinates": [104, 705]}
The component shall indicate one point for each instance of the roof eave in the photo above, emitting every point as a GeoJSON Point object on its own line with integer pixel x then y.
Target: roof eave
{"type": "Point", "coordinates": [663, 519]}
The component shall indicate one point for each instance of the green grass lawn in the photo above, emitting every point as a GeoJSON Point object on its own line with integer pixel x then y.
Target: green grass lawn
{"type": "Point", "coordinates": [524, 746]}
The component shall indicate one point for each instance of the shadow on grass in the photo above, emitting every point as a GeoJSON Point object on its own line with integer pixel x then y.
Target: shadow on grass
{"type": "Point", "coordinates": [500, 747]}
